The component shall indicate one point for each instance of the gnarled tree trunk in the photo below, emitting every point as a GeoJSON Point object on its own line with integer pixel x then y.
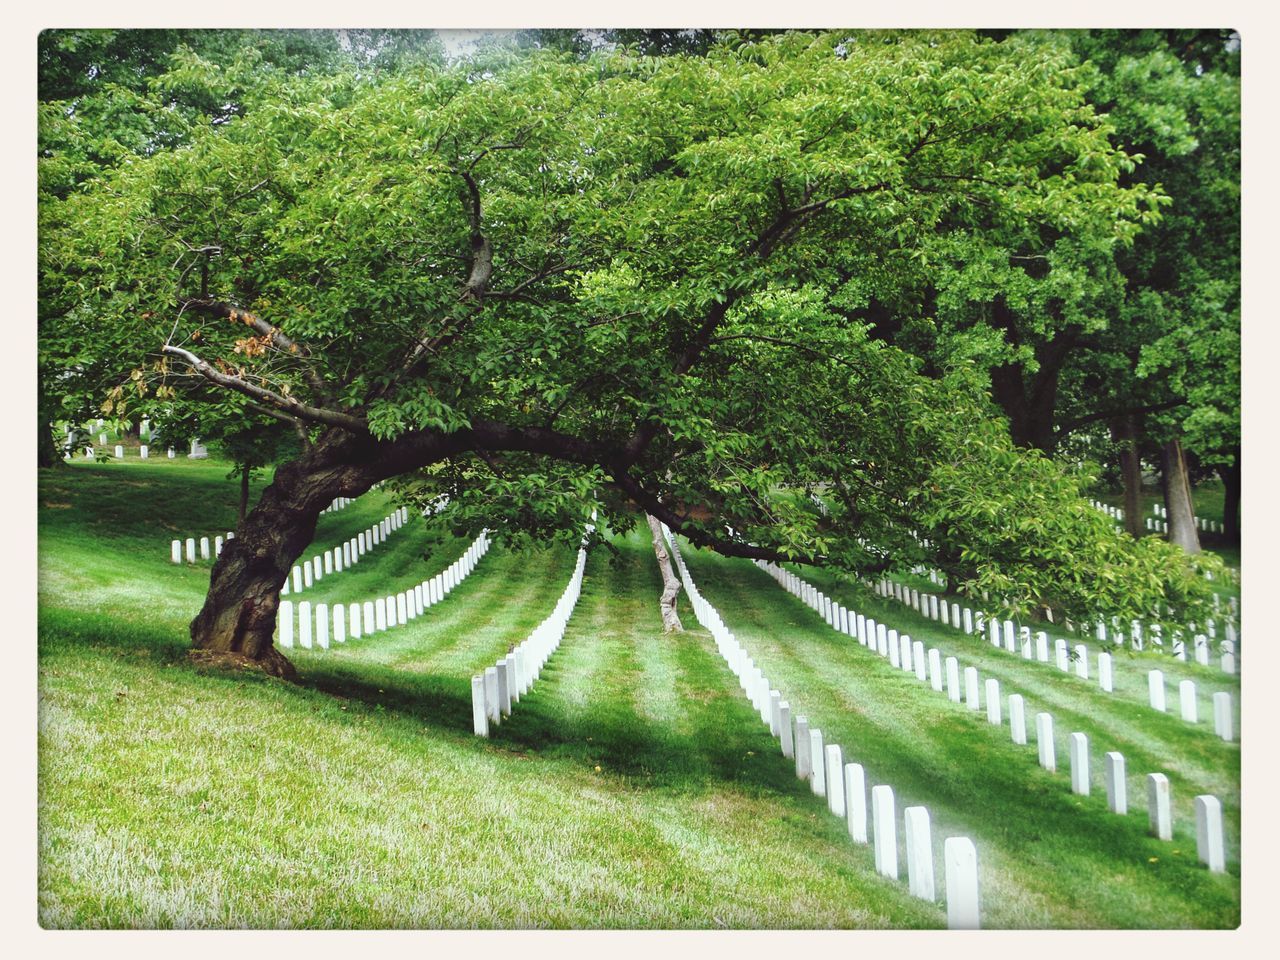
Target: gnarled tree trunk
{"type": "Point", "coordinates": [1177, 498]}
{"type": "Point", "coordinates": [670, 582]}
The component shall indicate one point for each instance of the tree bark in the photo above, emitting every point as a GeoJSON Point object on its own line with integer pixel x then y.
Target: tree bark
{"type": "Point", "coordinates": [670, 583]}
{"type": "Point", "coordinates": [1231, 499]}
{"type": "Point", "coordinates": [1177, 498]}
{"type": "Point", "coordinates": [1125, 431]}
{"type": "Point", "coordinates": [47, 454]}
{"type": "Point", "coordinates": [244, 494]}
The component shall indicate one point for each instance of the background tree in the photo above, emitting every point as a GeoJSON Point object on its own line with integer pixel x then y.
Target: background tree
{"type": "Point", "coordinates": [547, 285]}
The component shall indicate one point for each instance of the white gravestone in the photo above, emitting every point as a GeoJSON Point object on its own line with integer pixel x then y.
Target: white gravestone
{"type": "Point", "coordinates": [1060, 653]}
{"type": "Point", "coordinates": [1117, 788]}
{"type": "Point", "coordinates": [479, 718]}
{"type": "Point", "coordinates": [1155, 689]}
{"type": "Point", "coordinates": [785, 730]}
{"type": "Point", "coordinates": [1042, 646]}
{"type": "Point", "coordinates": [339, 624]}
{"type": "Point", "coordinates": [1222, 717]}
{"type": "Point", "coordinates": [322, 626]}
{"type": "Point", "coordinates": [855, 801]}
{"type": "Point", "coordinates": [993, 701]}
{"type": "Point", "coordinates": [296, 574]}
{"type": "Point", "coordinates": [1187, 700]}
{"type": "Point", "coordinates": [1209, 840]}
{"type": "Point", "coordinates": [917, 656]}
{"type": "Point", "coordinates": [204, 548]}
{"type": "Point", "coordinates": [803, 752]}
{"type": "Point", "coordinates": [402, 608]}
{"type": "Point", "coordinates": [775, 713]}
{"type": "Point", "coordinates": [504, 688]}
{"type": "Point", "coordinates": [972, 699]}
{"type": "Point", "coordinates": [492, 704]}
{"type": "Point", "coordinates": [328, 562]}
{"type": "Point", "coordinates": [935, 669]}
{"type": "Point", "coordinates": [1104, 672]}
{"type": "Point", "coordinates": [285, 620]}
{"type": "Point", "coordinates": [353, 620]}
{"type": "Point", "coordinates": [960, 859]}
{"type": "Point", "coordinates": [217, 546]}
{"type": "Point", "coordinates": [968, 628]}
{"type": "Point", "coordinates": [143, 452]}
{"type": "Point", "coordinates": [1079, 750]}
{"type": "Point", "coordinates": [1202, 650]}
{"type": "Point", "coordinates": [919, 852]}
{"type": "Point", "coordinates": [817, 770]}
{"type": "Point", "coordinates": [1024, 637]}
{"type": "Point", "coordinates": [1082, 661]}
{"type": "Point", "coordinates": [370, 620]}
{"type": "Point", "coordinates": [304, 625]}
{"type": "Point", "coordinates": [191, 549]}
{"type": "Point", "coordinates": [835, 782]}
{"type": "Point", "coordinates": [170, 453]}
{"type": "Point", "coordinates": [953, 679]}
{"type": "Point", "coordinates": [895, 659]}
{"type": "Point", "coordinates": [175, 551]}
{"type": "Point", "coordinates": [306, 575]}
{"type": "Point", "coordinates": [1044, 741]}
{"type": "Point", "coordinates": [884, 829]}
{"type": "Point", "coordinates": [955, 615]}
{"type": "Point", "coordinates": [904, 652]}
{"type": "Point", "coordinates": [1159, 806]}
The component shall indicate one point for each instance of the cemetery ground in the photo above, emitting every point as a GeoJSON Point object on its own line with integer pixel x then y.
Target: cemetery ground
{"type": "Point", "coordinates": [633, 786]}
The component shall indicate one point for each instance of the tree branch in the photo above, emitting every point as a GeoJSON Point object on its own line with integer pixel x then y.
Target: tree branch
{"type": "Point", "coordinates": [1078, 422]}
{"type": "Point", "coordinates": [289, 405]}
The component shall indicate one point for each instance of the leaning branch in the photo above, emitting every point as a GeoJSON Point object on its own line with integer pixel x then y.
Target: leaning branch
{"type": "Point", "coordinates": [289, 405]}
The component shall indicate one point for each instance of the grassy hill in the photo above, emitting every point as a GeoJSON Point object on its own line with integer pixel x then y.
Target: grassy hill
{"type": "Point", "coordinates": [634, 786]}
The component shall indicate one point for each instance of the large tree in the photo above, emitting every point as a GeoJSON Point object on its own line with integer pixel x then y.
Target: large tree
{"type": "Point", "coordinates": [551, 283]}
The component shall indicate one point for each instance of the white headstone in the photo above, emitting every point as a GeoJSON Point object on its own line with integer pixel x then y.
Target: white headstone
{"type": "Point", "coordinates": [953, 679]}
{"type": "Point", "coordinates": [492, 699]}
{"type": "Point", "coordinates": [1202, 649]}
{"type": "Point", "coordinates": [306, 574]}
{"type": "Point", "coordinates": [1042, 646]}
{"type": "Point", "coordinates": [1209, 840]}
{"type": "Point", "coordinates": [1187, 699]}
{"type": "Point", "coordinates": [785, 729]}
{"type": "Point", "coordinates": [1155, 689]}
{"type": "Point", "coordinates": [972, 695]}
{"type": "Point", "coordinates": [1104, 671]}
{"type": "Point", "coordinates": [1044, 741]}
{"type": "Point", "coordinates": [919, 844]}
{"type": "Point", "coordinates": [204, 548]}
{"type": "Point", "coordinates": [1082, 661]}
{"type": "Point", "coordinates": [402, 608]}
{"type": "Point", "coordinates": [804, 753]}
{"type": "Point", "coordinates": [322, 626]}
{"type": "Point", "coordinates": [904, 652]}
{"type": "Point", "coordinates": [175, 551]}
{"type": "Point", "coordinates": [1117, 788]}
{"type": "Point", "coordinates": [835, 782]}
{"type": "Point", "coordinates": [353, 620]}
{"type": "Point", "coordinates": [191, 549]}
{"type": "Point", "coordinates": [380, 613]}
{"type": "Point", "coordinates": [968, 628]}
{"type": "Point", "coordinates": [297, 579]}
{"type": "Point", "coordinates": [775, 713]}
{"type": "Point", "coordinates": [817, 761]}
{"type": "Point", "coordinates": [1061, 655]}
{"type": "Point", "coordinates": [143, 452]}
{"type": "Point", "coordinates": [993, 701]}
{"type": "Point", "coordinates": [170, 454]}
{"type": "Point", "coordinates": [893, 649]}
{"type": "Point", "coordinates": [370, 618]}
{"type": "Point", "coordinates": [304, 625]}
{"type": "Point", "coordinates": [1017, 719]}
{"type": "Point", "coordinates": [1079, 750]}
{"type": "Point", "coordinates": [917, 657]}
{"type": "Point", "coordinates": [1024, 637]}
{"type": "Point", "coordinates": [855, 801]}
{"type": "Point", "coordinates": [284, 620]}
{"type": "Point", "coordinates": [217, 546]}
{"type": "Point", "coordinates": [339, 623]}
{"type": "Point", "coordinates": [1159, 806]}
{"type": "Point", "coordinates": [935, 669]}
{"type": "Point", "coordinates": [884, 830]}
{"type": "Point", "coordinates": [1222, 718]}
{"type": "Point", "coordinates": [479, 718]}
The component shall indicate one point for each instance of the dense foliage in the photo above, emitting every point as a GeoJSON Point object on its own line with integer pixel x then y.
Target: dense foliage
{"type": "Point", "coordinates": [639, 279]}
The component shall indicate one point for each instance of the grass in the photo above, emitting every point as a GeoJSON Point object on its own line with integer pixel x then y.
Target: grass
{"type": "Point", "coordinates": [633, 786]}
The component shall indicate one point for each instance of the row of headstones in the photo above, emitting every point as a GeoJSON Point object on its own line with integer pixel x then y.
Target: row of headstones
{"type": "Point", "coordinates": [929, 605]}
{"type": "Point", "coordinates": [500, 687]}
{"type": "Point", "coordinates": [844, 784]}
{"type": "Point", "coordinates": [1223, 724]}
{"type": "Point", "coordinates": [339, 503]}
{"type": "Point", "coordinates": [938, 610]}
{"type": "Point", "coordinates": [206, 553]}
{"type": "Point", "coordinates": [355, 620]}
{"type": "Point", "coordinates": [144, 452]}
{"type": "Point", "coordinates": [1160, 521]}
{"type": "Point", "coordinates": [303, 575]}
{"type": "Point", "coordinates": [1208, 808]}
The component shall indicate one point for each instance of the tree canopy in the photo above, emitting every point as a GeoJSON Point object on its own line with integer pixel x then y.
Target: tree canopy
{"type": "Point", "coordinates": [542, 280]}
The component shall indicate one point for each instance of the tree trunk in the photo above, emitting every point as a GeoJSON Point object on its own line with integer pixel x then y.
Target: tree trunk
{"type": "Point", "coordinates": [1124, 430]}
{"type": "Point", "coordinates": [238, 619]}
{"type": "Point", "coordinates": [244, 495]}
{"type": "Point", "coordinates": [1177, 498]}
{"type": "Point", "coordinates": [670, 583]}
{"type": "Point", "coordinates": [1231, 499]}
{"type": "Point", "coordinates": [47, 453]}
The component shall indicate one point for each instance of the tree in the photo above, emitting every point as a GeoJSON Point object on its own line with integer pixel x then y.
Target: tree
{"type": "Point", "coordinates": [547, 284]}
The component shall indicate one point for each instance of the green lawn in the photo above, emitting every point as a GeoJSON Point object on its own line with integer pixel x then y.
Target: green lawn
{"type": "Point", "coordinates": [633, 786]}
